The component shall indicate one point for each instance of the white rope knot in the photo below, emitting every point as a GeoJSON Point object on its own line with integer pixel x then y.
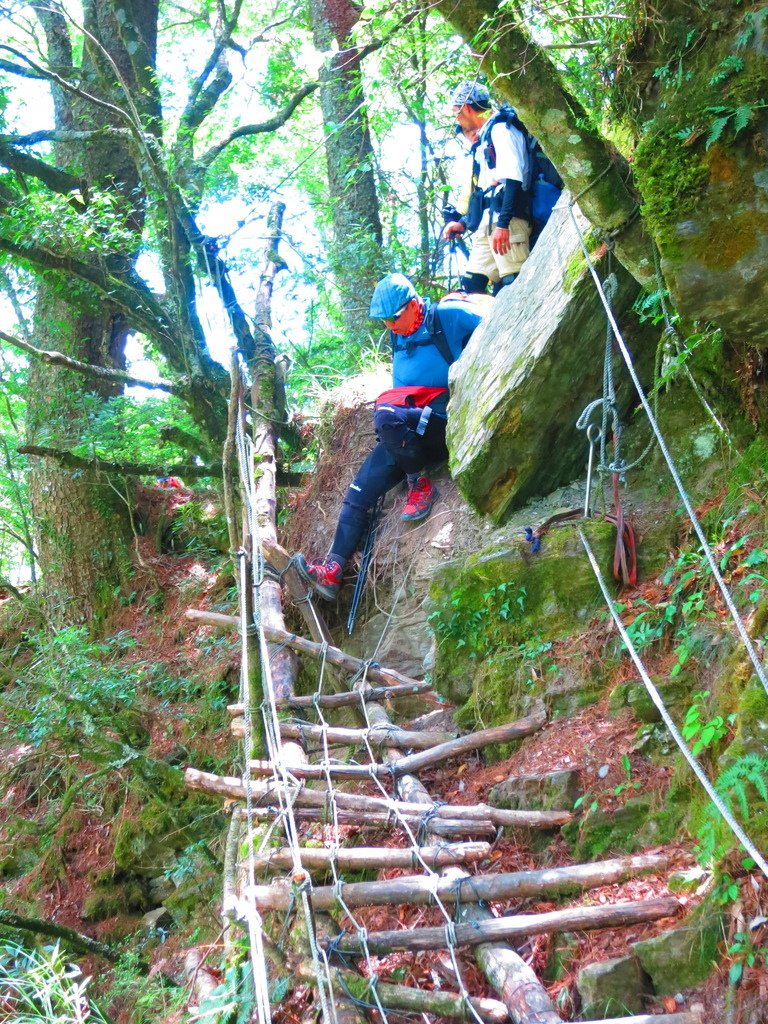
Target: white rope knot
{"type": "Point", "coordinates": [362, 935]}
{"type": "Point", "coordinates": [450, 935]}
{"type": "Point", "coordinates": [433, 880]}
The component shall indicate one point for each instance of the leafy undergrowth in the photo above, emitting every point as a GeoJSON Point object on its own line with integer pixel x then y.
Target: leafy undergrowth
{"type": "Point", "coordinates": [96, 825]}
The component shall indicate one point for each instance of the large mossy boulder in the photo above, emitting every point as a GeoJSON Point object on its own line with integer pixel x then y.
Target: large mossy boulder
{"type": "Point", "coordinates": [496, 612]}
{"type": "Point", "coordinates": [701, 160]}
{"type": "Point", "coordinates": [530, 369]}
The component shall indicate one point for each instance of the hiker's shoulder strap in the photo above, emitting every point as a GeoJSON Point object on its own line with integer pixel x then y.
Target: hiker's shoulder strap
{"type": "Point", "coordinates": [437, 333]}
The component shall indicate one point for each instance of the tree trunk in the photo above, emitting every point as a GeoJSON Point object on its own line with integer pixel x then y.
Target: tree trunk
{"type": "Point", "coordinates": [356, 254]}
{"type": "Point", "coordinates": [81, 517]}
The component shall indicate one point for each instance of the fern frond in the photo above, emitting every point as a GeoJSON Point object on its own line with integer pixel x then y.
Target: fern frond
{"type": "Point", "coordinates": [718, 125]}
{"type": "Point", "coordinates": [741, 118]}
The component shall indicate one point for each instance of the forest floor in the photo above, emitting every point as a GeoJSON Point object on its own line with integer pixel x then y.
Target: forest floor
{"type": "Point", "coordinates": [195, 732]}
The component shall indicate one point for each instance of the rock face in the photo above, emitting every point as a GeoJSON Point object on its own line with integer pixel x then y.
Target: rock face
{"type": "Point", "coordinates": [681, 957]}
{"type": "Point", "coordinates": [496, 611]}
{"type": "Point", "coordinates": [614, 988]}
{"type": "Point", "coordinates": [552, 791]}
{"type": "Point", "coordinates": [700, 163]}
{"type": "Point", "coordinates": [530, 369]}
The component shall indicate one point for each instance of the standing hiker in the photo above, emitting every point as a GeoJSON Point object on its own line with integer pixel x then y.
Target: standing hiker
{"type": "Point", "coordinates": [409, 419]}
{"type": "Point", "coordinates": [499, 211]}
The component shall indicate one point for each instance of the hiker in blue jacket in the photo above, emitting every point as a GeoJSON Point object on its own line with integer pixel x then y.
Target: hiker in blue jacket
{"type": "Point", "coordinates": [409, 419]}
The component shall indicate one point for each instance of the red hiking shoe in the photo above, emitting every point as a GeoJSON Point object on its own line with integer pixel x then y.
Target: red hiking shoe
{"type": "Point", "coordinates": [325, 577]}
{"type": "Point", "coordinates": [421, 497]}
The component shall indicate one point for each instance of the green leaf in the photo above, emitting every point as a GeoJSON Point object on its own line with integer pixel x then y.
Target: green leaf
{"type": "Point", "coordinates": [718, 126]}
{"type": "Point", "coordinates": [280, 990]}
{"type": "Point", "coordinates": [735, 972]}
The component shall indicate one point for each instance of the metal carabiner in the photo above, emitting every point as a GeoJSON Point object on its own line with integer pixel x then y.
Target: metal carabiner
{"type": "Point", "coordinates": [594, 433]}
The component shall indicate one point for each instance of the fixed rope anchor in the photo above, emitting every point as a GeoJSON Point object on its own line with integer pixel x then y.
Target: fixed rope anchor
{"type": "Point", "coordinates": [594, 434]}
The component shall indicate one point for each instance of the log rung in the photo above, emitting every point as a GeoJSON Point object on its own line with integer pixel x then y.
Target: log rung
{"type": "Point", "coordinates": [340, 700]}
{"type": "Point", "coordinates": [233, 788]}
{"type": "Point", "coordinates": [361, 858]}
{"type": "Point", "coordinates": [508, 928]}
{"type": "Point", "coordinates": [449, 827]}
{"type": "Point", "coordinates": [265, 769]}
{"type": "Point", "coordinates": [421, 890]}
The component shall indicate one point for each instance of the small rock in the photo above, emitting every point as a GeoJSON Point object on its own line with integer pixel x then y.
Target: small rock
{"type": "Point", "coordinates": [686, 880]}
{"type": "Point", "coordinates": [613, 988]}
{"type": "Point", "coordinates": [156, 919]}
{"type": "Point", "coordinates": [551, 791]}
{"type": "Point", "coordinates": [603, 770]}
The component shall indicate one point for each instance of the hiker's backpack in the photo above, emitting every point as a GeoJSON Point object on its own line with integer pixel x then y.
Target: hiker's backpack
{"type": "Point", "coordinates": [543, 181]}
{"type": "Point", "coordinates": [476, 302]}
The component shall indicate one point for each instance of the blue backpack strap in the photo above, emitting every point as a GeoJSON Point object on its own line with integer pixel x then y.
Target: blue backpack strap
{"type": "Point", "coordinates": [436, 337]}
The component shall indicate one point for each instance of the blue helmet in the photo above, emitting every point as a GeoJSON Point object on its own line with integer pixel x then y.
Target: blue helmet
{"type": "Point", "coordinates": [390, 295]}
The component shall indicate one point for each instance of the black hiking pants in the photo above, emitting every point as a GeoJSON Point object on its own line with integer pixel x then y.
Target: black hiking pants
{"type": "Point", "coordinates": [400, 452]}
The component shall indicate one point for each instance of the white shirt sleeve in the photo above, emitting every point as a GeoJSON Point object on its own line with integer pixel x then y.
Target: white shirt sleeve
{"type": "Point", "coordinates": [511, 154]}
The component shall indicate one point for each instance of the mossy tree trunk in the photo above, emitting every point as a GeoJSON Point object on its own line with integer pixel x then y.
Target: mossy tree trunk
{"type": "Point", "coordinates": [80, 517]}
{"type": "Point", "coordinates": [693, 83]}
{"type": "Point", "coordinates": [356, 255]}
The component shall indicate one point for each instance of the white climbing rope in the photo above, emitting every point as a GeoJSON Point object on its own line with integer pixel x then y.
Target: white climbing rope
{"type": "Point", "coordinates": [746, 639]}
{"type": "Point", "coordinates": [655, 696]}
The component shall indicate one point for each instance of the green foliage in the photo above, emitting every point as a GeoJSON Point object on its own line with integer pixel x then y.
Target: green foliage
{"type": "Point", "coordinates": [746, 952]}
{"type": "Point", "coordinates": [75, 686]}
{"type": "Point", "coordinates": [738, 786]}
{"type": "Point", "coordinates": [42, 987]}
{"type": "Point", "coordinates": [99, 229]}
{"type": "Point", "coordinates": [16, 542]}
{"type": "Point", "coordinates": [705, 732]}
{"type": "Point", "coordinates": [482, 632]}
{"type": "Point", "coordinates": [151, 998]}
{"type": "Point", "coordinates": [123, 429]}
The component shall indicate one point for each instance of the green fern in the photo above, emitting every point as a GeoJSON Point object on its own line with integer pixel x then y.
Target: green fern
{"type": "Point", "coordinates": [733, 782]}
{"type": "Point", "coordinates": [730, 65]}
{"type": "Point", "coordinates": [716, 130]}
{"type": "Point", "coordinates": [741, 118]}
{"type": "Point", "coordinates": [751, 769]}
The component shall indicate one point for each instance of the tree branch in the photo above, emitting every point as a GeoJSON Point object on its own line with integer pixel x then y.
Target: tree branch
{"type": "Point", "coordinates": [69, 460]}
{"type": "Point", "coordinates": [224, 39]}
{"type": "Point", "coordinates": [129, 293]}
{"type": "Point", "coordinates": [271, 125]}
{"type": "Point", "coordinates": [63, 135]}
{"type": "Point", "coordinates": [17, 69]}
{"type": "Point", "coordinates": [57, 180]}
{"type": "Point", "coordinates": [75, 940]}
{"type": "Point", "coordinates": [98, 372]}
